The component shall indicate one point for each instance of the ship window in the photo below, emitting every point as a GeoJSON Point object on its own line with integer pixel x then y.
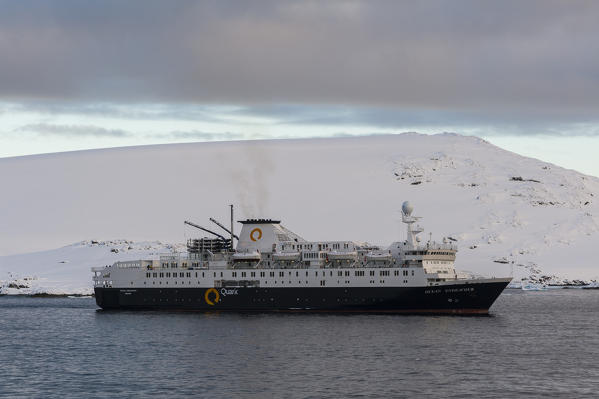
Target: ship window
{"type": "Point", "coordinates": [372, 272]}
{"type": "Point", "coordinates": [161, 274]}
{"type": "Point", "coordinates": [347, 272]}
{"type": "Point", "coordinates": [188, 274]}
{"type": "Point", "coordinates": [316, 273]}
{"type": "Point", "coordinates": [181, 275]}
{"type": "Point", "coordinates": [242, 274]}
{"type": "Point", "coordinates": [296, 274]}
{"type": "Point", "coordinates": [272, 274]}
{"type": "Point", "coordinates": [262, 274]}
{"type": "Point", "coordinates": [340, 273]}
{"type": "Point", "coordinates": [281, 274]}
{"type": "Point", "coordinates": [234, 274]}
{"type": "Point", "coordinates": [253, 274]}
{"type": "Point", "coordinates": [412, 272]}
{"type": "Point", "coordinates": [168, 274]}
{"type": "Point", "coordinates": [306, 274]}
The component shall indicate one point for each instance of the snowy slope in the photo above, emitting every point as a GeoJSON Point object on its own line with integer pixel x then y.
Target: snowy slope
{"type": "Point", "coordinates": [499, 206]}
{"type": "Point", "coordinates": [66, 271]}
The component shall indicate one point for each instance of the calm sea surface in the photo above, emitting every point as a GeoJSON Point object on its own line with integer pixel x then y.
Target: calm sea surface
{"type": "Point", "coordinates": [534, 344]}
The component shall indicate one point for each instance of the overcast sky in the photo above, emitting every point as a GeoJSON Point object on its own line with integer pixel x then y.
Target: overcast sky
{"type": "Point", "coordinates": [88, 74]}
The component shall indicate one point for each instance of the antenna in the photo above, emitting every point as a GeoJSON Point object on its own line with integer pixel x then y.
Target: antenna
{"type": "Point", "coordinates": [407, 218]}
{"type": "Point", "coordinates": [232, 226]}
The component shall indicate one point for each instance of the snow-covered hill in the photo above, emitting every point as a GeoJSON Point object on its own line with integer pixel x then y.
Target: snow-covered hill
{"type": "Point", "coordinates": [508, 213]}
{"type": "Point", "coordinates": [66, 271]}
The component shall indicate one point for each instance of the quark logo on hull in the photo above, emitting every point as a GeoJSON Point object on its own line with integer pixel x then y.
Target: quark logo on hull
{"type": "Point", "coordinates": [212, 296]}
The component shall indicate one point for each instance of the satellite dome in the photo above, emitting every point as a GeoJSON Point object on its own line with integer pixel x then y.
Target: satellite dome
{"type": "Point", "coordinates": [407, 208]}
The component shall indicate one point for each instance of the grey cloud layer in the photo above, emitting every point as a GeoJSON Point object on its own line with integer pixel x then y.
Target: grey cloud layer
{"type": "Point", "coordinates": [47, 129]}
{"type": "Point", "coordinates": [534, 56]}
{"type": "Point", "coordinates": [85, 131]}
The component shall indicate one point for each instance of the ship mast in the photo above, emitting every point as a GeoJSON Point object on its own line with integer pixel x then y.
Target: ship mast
{"type": "Point", "coordinates": [407, 218]}
{"type": "Point", "coordinates": [232, 233]}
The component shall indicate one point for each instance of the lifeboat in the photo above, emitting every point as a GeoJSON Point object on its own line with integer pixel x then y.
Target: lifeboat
{"type": "Point", "coordinates": [247, 256]}
{"type": "Point", "coordinates": [378, 256]}
{"type": "Point", "coordinates": [337, 255]}
{"type": "Point", "coordinates": [289, 256]}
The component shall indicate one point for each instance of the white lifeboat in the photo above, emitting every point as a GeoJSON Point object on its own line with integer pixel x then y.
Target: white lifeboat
{"type": "Point", "coordinates": [289, 256]}
{"type": "Point", "coordinates": [342, 255]}
{"type": "Point", "coordinates": [378, 256]}
{"type": "Point", "coordinates": [247, 256]}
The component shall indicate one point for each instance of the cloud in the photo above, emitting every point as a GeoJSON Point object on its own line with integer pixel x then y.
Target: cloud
{"type": "Point", "coordinates": [195, 135]}
{"type": "Point", "coordinates": [513, 67]}
{"type": "Point", "coordinates": [46, 129]}
{"type": "Point", "coordinates": [450, 55]}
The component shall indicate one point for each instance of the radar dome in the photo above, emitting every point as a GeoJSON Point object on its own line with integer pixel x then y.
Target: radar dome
{"type": "Point", "coordinates": [407, 208]}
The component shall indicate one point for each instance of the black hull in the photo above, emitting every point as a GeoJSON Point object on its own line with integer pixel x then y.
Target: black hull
{"type": "Point", "coordinates": [474, 298]}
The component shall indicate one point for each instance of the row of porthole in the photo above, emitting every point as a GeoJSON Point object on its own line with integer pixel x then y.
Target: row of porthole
{"type": "Point", "coordinates": [266, 282]}
{"type": "Point", "coordinates": [272, 300]}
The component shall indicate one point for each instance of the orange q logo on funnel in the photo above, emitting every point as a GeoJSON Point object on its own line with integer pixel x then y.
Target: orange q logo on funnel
{"type": "Point", "coordinates": [256, 232]}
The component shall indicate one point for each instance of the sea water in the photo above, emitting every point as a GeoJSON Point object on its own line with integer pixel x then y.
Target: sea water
{"type": "Point", "coordinates": [534, 344]}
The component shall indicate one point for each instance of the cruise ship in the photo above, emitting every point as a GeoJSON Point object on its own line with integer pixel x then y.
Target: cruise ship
{"type": "Point", "coordinates": [270, 268]}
